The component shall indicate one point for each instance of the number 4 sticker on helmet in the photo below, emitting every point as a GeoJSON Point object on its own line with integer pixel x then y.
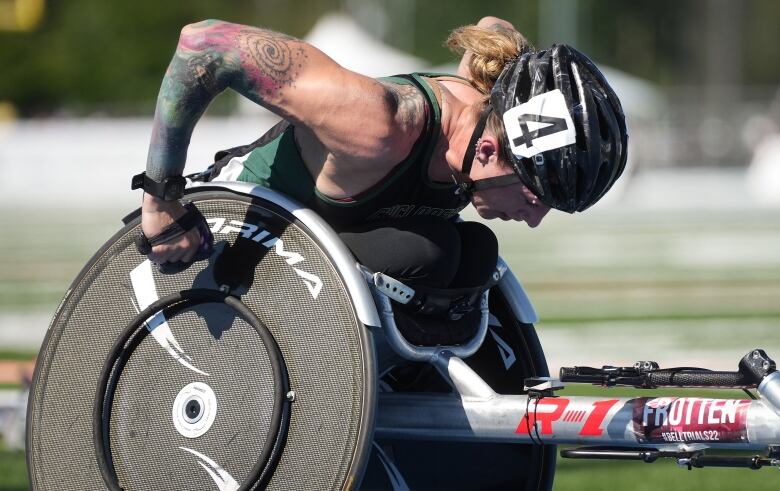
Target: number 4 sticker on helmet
{"type": "Point", "coordinates": [541, 124]}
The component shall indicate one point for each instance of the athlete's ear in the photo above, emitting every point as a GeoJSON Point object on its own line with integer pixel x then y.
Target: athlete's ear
{"type": "Point", "coordinates": [487, 148]}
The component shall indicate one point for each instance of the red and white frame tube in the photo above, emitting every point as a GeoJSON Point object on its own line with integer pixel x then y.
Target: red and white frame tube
{"type": "Point", "coordinates": [476, 413]}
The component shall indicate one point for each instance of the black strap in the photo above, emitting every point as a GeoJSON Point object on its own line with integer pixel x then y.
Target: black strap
{"type": "Point", "coordinates": [169, 189]}
{"type": "Point", "coordinates": [191, 219]}
{"type": "Point", "coordinates": [178, 228]}
{"type": "Point", "coordinates": [465, 184]}
{"type": "Point", "coordinates": [453, 303]}
{"type": "Point", "coordinates": [471, 150]}
{"type": "Point", "coordinates": [223, 157]}
{"type": "Point", "coordinates": [495, 182]}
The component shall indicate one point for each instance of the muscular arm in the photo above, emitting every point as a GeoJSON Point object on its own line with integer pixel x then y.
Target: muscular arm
{"type": "Point", "coordinates": [287, 76]}
{"type": "Point", "coordinates": [352, 125]}
{"type": "Point", "coordinates": [210, 57]}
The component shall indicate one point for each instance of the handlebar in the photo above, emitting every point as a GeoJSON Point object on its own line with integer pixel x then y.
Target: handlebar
{"type": "Point", "coordinates": [654, 378]}
{"type": "Point", "coordinates": [756, 370]}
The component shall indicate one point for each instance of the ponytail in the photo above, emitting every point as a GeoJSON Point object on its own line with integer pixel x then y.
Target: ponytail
{"type": "Point", "coordinates": [490, 48]}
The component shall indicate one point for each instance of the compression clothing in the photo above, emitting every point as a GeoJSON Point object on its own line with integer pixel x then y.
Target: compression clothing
{"type": "Point", "coordinates": [275, 161]}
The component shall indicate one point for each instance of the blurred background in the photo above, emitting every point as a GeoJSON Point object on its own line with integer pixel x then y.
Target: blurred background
{"type": "Point", "coordinates": [679, 264]}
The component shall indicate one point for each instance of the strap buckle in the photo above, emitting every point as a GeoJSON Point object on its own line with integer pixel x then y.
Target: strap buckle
{"type": "Point", "coordinates": [169, 189]}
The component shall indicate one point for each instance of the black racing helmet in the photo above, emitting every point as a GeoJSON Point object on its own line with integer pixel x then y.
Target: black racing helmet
{"type": "Point", "coordinates": [564, 126]}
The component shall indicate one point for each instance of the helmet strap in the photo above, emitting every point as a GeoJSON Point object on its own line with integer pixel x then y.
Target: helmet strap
{"type": "Point", "coordinates": [495, 182]}
{"type": "Point", "coordinates": [465, 184]}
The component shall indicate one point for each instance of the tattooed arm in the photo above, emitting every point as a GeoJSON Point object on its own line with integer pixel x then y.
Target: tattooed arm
{"type": "Point", "coordinates": [291, 78]}
{"type": "Point", "coordinates": [288, 76]}
{"type": "Point", "coordinates": [208, 60]}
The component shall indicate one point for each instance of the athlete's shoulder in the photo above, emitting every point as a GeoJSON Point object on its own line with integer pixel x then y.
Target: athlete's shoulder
{"type": "Point", "coordinates": [407, 103]}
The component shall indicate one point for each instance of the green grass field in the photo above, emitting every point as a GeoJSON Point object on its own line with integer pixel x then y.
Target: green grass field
{"type": "Point", "coordinates": [13, 470]}
{"type": "Point", "coordinates": [581, 475]}
{"type": "Point", "coordinates": [688, 284]}
{"type": "Point", "coordinates": [577, 475]}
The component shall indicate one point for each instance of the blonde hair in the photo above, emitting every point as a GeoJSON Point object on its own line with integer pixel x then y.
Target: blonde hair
{"type": "Point", "coordinates": [491, 48]}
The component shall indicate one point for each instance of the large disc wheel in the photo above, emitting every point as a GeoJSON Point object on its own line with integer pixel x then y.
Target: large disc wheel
{"type": "Point", "coordinates": [250, 370]}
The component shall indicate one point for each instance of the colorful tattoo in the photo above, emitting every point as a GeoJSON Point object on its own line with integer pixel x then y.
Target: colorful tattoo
{"type": "Point", "coordinates": [204, 68]}
{"type": "Point", "coordinates": [269, 60]}
{"type": "Point", "coordinates": [212, 56]}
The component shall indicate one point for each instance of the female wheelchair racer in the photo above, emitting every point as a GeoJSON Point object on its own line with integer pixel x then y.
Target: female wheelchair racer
{"type": "Point", "coordinates": [520, 132]}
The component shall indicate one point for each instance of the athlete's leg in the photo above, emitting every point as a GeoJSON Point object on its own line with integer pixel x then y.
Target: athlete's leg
{"type": "Point", "coordinates": [478, 256]}
{"type": "Point", "coordinates": [416, 250]}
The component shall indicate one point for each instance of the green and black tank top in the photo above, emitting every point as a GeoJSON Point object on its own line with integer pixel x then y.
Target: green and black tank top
{"type": "Point", "coordinates": [275, 161]}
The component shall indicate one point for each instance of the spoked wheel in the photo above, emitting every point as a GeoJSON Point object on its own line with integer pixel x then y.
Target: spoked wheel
{"type": "Point", "coordinates": [511, 352]}
{"type": "Point", "coordinates": [152, 381]}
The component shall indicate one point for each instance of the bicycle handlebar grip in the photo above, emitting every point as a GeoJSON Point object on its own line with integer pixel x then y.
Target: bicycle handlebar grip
{"type": "Point", "coordinates": [566, 372]}
{"type": "Point", "coordinates": [673, 378]}
{"type": "Point", "coordinates": [747, 462]}
{"type": "Point", "coordinates": [582, 375]}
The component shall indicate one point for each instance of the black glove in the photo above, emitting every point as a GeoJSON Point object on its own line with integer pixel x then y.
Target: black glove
{"type": "Point", "coordinates": [191, 219]}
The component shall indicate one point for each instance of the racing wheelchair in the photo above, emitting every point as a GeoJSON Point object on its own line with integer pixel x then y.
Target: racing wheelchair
{"type": "Point", "coordinates": [258, 369]}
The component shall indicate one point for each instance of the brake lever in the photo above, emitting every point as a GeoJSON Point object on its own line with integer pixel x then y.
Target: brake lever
{"type": "Point", "coordinates": [606, 376]}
